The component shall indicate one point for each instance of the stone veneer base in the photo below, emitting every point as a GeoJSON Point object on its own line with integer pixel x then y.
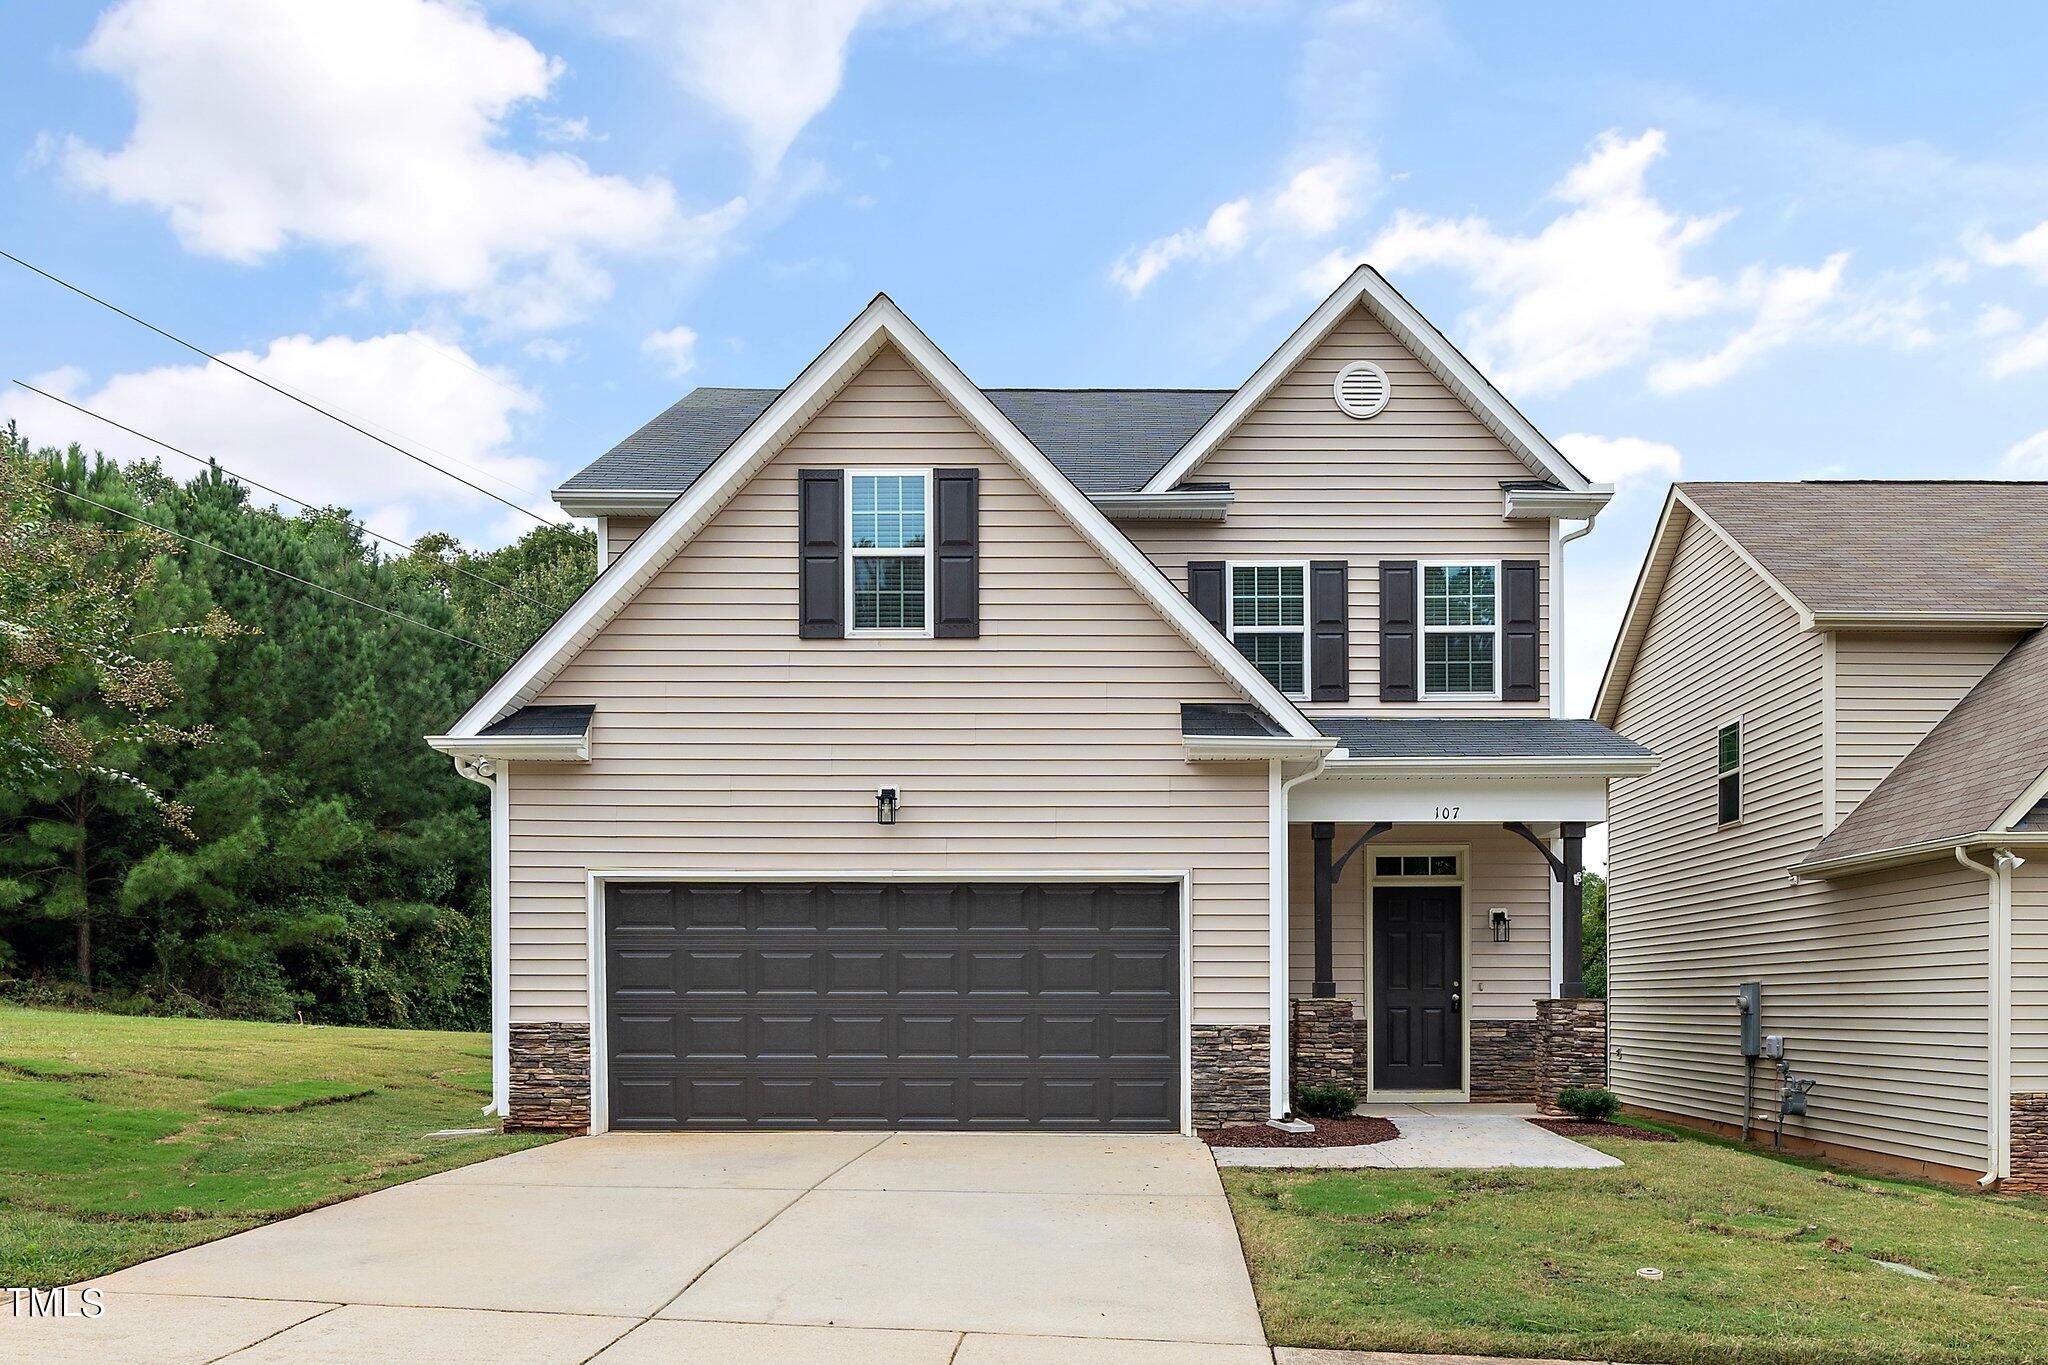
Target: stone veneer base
{"type": "Point", "coordinates": [1229, 1065]}
{"type": "Point", "coordinates": [1571, 1048]}
{"type": "Point", "coordinates": [1504, 1060]}
{"type": "Point", "coordinates": [1323, 1044]}
{"type": "Point", "coordinates": [2029, 1144]}
{"type": "Point", "coordinates": [550, 1080]}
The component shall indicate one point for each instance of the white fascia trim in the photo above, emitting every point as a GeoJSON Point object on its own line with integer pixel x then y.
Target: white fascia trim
{"type": "Point", "coordinates": [542, 748]}
{"type": "Point", "coordinates": [1424, 766]}
{"type": "Point", "coordinates": [612, 502]}
{"type": "Point", "coordinates": [1928, 620]}
{"type": "Point", "coordinates": [1856, 864]}
{"type": "Point", "coordinates": [879, 324]}
{"type": "Point", "coordinates": [1181, 504]}
{"type": "Point", "coordinates": [1205, 747]}
{"type": "Point", "coordinates": [2032, 795]}
{"type": "Point", "coordinates": [1400, 317]}
{"type": "Point", "coordinates": [1550, 504]}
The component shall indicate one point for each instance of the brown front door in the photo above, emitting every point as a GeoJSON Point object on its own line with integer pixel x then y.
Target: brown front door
{"type": "Point", "coordinates": [1418, 1031]}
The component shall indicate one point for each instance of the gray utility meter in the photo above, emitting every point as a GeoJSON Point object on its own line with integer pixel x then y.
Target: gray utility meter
{"type": "Point", "coordinates": [1749, 999]}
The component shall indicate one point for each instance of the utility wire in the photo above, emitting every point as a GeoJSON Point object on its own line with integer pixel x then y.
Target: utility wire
{"type": "Point", "coordinates": [282, 392]}
{"type": "Point", "coordinates": [277, 492]}
{"type": "Point", "coordinates": [269, 568]}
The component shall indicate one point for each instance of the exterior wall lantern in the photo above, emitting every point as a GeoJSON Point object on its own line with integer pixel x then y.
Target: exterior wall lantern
{"type": "Point", "coordinates": [1501, 925]}
{"type": "Point", "coordinates": [886, 801]}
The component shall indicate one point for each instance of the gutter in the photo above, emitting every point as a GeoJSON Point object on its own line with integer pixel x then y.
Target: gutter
{"type": "Point", "coordinates": [1199, 747]}
{"type": "Point", "coordinates": [489, 774]}
{"type": "Point", "coordinates": [1542, 504]}
{"type": "Point", "coordinates": [545, 748]}
{"type": "Point", "coordinates": [1879, 859]}
{"type": "Point", "coordinates": [1998, 1122]}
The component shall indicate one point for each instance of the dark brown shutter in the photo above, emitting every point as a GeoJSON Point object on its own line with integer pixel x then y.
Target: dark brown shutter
{"type": "Point", "coordinates": [1397, 630]}
{"type": "Point", "coordinates": [1329, 630]}
{"type": "Point", "coordinates": [1521, 634]}
{"type": "Point", "coordinates": [1205, 589]}
{"type": "Point", "coordinates": [821, 555]}
{"type": "Point", "coordinates": [956, 553]}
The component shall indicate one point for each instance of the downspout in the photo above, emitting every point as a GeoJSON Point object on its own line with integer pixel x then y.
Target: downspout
{"type": "Point", "coordinates": [1279, 1097]}
{"type": "Point", "coordinates": [1998, 1077]}
{"type": "Point", "coordinates": [487, 773]}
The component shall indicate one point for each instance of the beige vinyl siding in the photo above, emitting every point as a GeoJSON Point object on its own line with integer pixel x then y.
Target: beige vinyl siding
{"type": "Point", "coordinates": [1051, 744]}
{"type": "Point", "coordinates": [619, 535]}
{"type": "Point", "coordinates": [1500, 870]}
{"type": "Point", "coordinates": [1890, 689]}
{"type": "Point", "coordinates": [2030, 976]}
{"type": "Point", "coordinates": [1420, 481]}
{"type": "Point", "coordinates": [1879, 983]}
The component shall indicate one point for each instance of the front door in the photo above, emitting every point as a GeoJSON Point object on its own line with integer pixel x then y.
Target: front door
{"type": "Point", "coordinates": [1418, 1030]}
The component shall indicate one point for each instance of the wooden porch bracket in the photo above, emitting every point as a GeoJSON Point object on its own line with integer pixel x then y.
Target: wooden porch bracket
{"type": "Point", "coordinates": [1323, 835]}
{"type": "Point", "coordinates": [1570, 871]}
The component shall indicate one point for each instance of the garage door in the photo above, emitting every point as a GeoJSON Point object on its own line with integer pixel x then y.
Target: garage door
{"type": "Point", "coordinates": [983, 1005]}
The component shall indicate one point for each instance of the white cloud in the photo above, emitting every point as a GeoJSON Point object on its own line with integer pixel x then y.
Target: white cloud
{"type": "Point", "coordinates": [2020, 353]}
{"type": "Point", "coordinates": [2028, 459]}
{"type": "Point", "coordinates": [1997, 320]}
{"type": "Point", "coordinates": [1623, 461]}
{"type": "Point", "coordinates": [458, 414]}
{"type": "Point", "coordinates": [771, 66]}
{"type": "Point", "coordinates": [675, 348]}
{"type": "Point", "coordinates": [1786, 302]}
{"type": "Point", "coordinates": [1585, 295]}
{"type": "Point", "coordinates": [2028, 251]}
{"type": "Point", "coordinates": [1313, 202]}
{"type": "Point", "coordinates": [371, 128]}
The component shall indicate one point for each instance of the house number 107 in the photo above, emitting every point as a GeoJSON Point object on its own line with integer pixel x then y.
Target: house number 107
{"type": "Point", "coordinates": [1446, 812]}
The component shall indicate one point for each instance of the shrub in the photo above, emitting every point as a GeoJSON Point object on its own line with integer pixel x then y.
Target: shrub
{"type": "Point", "coordinates": [1594, 1105]}
{"type": "Point", "coordinates": [1325, 1101]}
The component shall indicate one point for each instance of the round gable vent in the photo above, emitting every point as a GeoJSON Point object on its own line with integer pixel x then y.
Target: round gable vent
{"type": "Point", "coordinates": [1362, 389]}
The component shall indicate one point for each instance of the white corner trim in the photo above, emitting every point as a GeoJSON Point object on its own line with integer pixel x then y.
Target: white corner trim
{"type": "Point", "coordinates": [1830, 737]}
{"type": "Point", "coordinates": [498, 778]}
{"type": "Point", "coordinates": [880, 323]}
{"type": "Point", "coordinates": [1366, 285]}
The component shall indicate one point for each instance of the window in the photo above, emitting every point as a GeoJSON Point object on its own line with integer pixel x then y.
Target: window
{"type": "Point", "coordinates": [1728, 772]}
{"type": "Point", "coordinates": [1415, 865]}
{"type": "Point", "coordinates": [889, 576]}
{"type": "Point", "coordinates": [1269, 621]}
{"type": "Point", "coordinates": [1460, 630]}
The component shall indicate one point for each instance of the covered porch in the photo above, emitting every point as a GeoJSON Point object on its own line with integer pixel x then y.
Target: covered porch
{"type": "Point", "coordinates": [1429, 874]}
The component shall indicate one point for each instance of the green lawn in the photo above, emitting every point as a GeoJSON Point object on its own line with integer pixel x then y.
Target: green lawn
{"type": "Point", "coordinates": [1763, 1261]}
{"type": "Point", "coordinates": [123, 1138]}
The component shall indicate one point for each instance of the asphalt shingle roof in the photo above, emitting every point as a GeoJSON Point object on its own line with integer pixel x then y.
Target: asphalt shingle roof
{"type": "Point", "coordinates": [1227, 720]}
{"type": "Point", "coordinates": [1844, 547]}
{"type": "Point", "coordinates": [1477, 737]}
{"type": "Point", "coordinates": [1963, 773]}
{"type": "Point", "coordinates": [541, 722]}
{"type": "Point", "coordinates": [1105, 440]}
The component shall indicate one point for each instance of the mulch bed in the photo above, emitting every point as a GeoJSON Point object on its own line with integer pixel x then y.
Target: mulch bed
{"type": "Point", "coordinates": [1575, 1128]}
{"type": "Point", "coordinates": [1328, 1133]}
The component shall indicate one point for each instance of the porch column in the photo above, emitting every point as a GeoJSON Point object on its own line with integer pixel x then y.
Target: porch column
{"type": "Point", "coordinates": [1572, 834]}
{"type": "Point", "coordinates": [1323, 835]}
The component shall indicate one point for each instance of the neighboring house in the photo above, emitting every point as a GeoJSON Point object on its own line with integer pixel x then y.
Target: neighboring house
{"type": "Point", "coordinates": [1846, 685]}
{"type": "Point", "coordinates": [928, 755]}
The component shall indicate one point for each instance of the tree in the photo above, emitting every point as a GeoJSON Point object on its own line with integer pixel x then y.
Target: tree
{"type": "Point", "coordinates": [1593, 933]}
{"type": "Point", "coordinates": [84, 686]}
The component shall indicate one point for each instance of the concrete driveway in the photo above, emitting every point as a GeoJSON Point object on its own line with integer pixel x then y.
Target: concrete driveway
{"type": "Point", "coordinates": [973, 1249]}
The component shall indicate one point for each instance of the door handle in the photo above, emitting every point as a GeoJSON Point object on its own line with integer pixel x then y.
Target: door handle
{"type": "Point", "coordinates": [1454, 1002]}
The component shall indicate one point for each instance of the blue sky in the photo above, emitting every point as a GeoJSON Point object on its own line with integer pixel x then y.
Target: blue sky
{"type": "Point", "coordinates": [1735, 241]}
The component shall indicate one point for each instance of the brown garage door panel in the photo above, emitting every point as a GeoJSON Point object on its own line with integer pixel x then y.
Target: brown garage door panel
{"type": "Point", "coordinates": [863, 1004]}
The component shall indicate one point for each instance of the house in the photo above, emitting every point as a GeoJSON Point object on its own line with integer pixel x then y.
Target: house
{"type": "Point", "coordinates": [1846, 685]}
{"type": "Point", "coordinates": [928, 755]}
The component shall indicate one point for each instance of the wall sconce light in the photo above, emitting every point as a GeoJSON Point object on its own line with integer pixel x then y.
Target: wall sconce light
{"type": "Point", "coordinates": [1501, 925]}
{"type": "Point", "coordinates": [886, 801]}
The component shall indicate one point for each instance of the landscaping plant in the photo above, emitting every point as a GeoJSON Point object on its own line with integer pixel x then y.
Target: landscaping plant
{"type": "Point", "coordinates": [1592, 1104]}
{"type": "Point", "coordinates": [1325, 1101]}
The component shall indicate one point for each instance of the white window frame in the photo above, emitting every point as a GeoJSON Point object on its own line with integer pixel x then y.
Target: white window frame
{"type": "Point", "coordinates": [1737, 772]}
{"type": "Point", "coordinates": [853, 553]}
{"type": "Point", "coordinates": [1425, 630]}
{"type": "Point", "coordinates": [1230, 627]}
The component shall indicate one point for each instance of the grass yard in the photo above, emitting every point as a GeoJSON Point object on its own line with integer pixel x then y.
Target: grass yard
{"type": "Point", "coordinates": [1764, 1261]}
{"type": "Point", "coordinates": [124, 1138]}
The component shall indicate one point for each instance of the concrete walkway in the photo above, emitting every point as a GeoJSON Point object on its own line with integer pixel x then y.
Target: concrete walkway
{"type": "Point", "coordinates": [1446, 1137]}
{"type": "Point", "coordinates": [928, 1249]}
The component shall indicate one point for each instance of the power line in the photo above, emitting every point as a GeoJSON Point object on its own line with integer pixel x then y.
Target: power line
{"type": "Point", "coordinates": [269, 568]}
{"type": "Point", "coordinates": [277, 492]}
{"type": "Point", "coordinates": [282, 392]}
